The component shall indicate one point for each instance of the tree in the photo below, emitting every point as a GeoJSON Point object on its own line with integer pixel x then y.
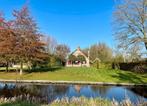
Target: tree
{"type": "Point", "coordinates": [101, 51]}
{"type": "Point", "coordinates": [85, 51]}
{"type": "Point", "coordinates": [81, 59]}
{"type": "Point", "coordinates": [118, 58]}
{"type": "Point", "coordinates": [130, 22]}
{"type": "Point", "coordinates": [134, 53]}
{"type": "Point", "coordinates": [29, 44]}
{"type": "Point", "coordinates": [7, 42]}
{"type": "Point", "coordinates": [61, 52]}
{"type": "Point", "coordinates": [51, 44]}
{"type": "Point", "coordinates": [52, 60]}
{"type": "Point", "coordinates": [119, 55]}
{"type": "Point", "coordinates": [72, 58]}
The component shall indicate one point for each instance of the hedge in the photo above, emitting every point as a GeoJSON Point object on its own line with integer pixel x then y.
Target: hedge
{"type": "Point", "coordinates": [138, 67]}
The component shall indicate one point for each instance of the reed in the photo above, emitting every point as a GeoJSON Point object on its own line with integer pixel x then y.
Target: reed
{"type": "Point", "coordinates": [74, 101]}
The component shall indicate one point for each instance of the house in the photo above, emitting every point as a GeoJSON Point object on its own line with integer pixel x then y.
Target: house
{"type": "Point", "coordinates": [81, 59]}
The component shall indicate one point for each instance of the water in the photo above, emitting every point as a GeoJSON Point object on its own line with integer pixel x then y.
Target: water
{"type": "Point", "coordinates": [54, 91]}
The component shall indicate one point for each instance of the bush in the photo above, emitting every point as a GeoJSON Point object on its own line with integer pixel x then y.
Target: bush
{"type": "Point", "coordinates": [105, 65]}
{"type": "Point", "coordinates": [138, 67]}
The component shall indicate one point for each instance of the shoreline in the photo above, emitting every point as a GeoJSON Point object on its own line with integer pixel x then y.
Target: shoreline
{"type": "Point", "coordinates": [71, 82]}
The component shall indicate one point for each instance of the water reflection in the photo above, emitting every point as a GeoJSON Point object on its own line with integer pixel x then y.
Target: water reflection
{"type": "Point", "coordinates": [52, 92]}
{"type": "Point", "coordinates": [139, 90]}
{"type": "Point", "coordinates": [102, 90]}
{"type": "Point", "coordinates": [78, 88]}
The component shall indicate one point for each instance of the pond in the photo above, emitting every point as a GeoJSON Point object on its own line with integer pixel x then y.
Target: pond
{"type": "Point", "coordinates": [53, 91]}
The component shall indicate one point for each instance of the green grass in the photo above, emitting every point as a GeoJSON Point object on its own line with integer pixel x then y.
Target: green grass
{"type": "Point", "coordinates": [79, 74]}
{"type": "Point", "coordinates": [4, 68]}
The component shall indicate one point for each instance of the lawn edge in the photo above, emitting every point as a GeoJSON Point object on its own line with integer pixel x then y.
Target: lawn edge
{"type": "Point", "coordinates": [72, 82]}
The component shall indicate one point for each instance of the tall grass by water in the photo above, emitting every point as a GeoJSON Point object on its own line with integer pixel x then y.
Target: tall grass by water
{"type": "Point", "coordinates": [80, 101]}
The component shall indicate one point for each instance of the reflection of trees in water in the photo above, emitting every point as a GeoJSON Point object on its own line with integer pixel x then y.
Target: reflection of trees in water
{"type": "Point", "coordinates": [102, 90]}
{"type": "Point", "coordinates": [139, 90]}
{"type": "Point", "coordinates": [5, 91]}
{"type": "Point", "coordinates": [17, 90]}
{"type": "Point", "coordinates": [53, 91]}
{"type": "Point", "coordinates": [50, 92]}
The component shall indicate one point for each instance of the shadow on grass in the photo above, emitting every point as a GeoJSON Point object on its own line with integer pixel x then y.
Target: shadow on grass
{"type": "Point", "coordinates": [144, 76]}
{"type": "Point", "coordinates": [44, 69]}
{"type": "Point", "coordinates": [129, 77]}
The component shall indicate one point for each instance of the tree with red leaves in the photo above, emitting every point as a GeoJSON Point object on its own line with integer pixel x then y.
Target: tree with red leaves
{"type": "Point", "coordinates": [29, 45]}
{"type": "Point", "coordinates": [20, 40]}
{"type": "Point", "coordinates": [7, 42]}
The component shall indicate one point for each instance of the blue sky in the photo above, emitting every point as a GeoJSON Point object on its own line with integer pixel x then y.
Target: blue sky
{"type": "Point", "coordinates": [72, 22]}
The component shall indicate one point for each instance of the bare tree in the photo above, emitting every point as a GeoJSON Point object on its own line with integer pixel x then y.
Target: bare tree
{"type": "Point", "coordinates": [51, 44]}
{"type": "Point", "coordinates": [62, 51]}
{"type": "Point", "coordinates": [130, 22]}
{"type": "Point", "coordinates": [101, 51]}
{"type": "Point", "coordinates": [134, 53]}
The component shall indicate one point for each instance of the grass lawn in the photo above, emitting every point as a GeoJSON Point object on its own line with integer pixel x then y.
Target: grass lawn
{"type": "Point", "coordinates": [79, 74]}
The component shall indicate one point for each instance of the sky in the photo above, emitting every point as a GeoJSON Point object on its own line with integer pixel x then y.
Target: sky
{"type": "Point", "coordinates": [71, 22]}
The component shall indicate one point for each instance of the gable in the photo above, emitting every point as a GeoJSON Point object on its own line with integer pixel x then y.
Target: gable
{"type": "Point", "coordinates": [78, 52]}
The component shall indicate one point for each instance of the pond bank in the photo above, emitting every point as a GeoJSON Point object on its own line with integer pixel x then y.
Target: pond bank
{"type": "Point", "coordinates": [71, 82]}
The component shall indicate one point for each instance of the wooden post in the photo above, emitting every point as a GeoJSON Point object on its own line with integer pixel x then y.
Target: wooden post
{"type": "Point", "coordinates": [21, 68]}
{"type": "Point", "coordinates": [97, 64]}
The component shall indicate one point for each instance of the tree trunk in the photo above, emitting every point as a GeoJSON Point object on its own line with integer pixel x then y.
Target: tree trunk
{"type": "Point", "coordinates": [29, 66]}
{"type": "Point", "coordinates": [7, 66]}
{"type": "Point", "coordinates": [21, 68]}
{"type": "Point", "coordinates": [145, 45]}
{"type": "Point", "coordinates": [97, 64]}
